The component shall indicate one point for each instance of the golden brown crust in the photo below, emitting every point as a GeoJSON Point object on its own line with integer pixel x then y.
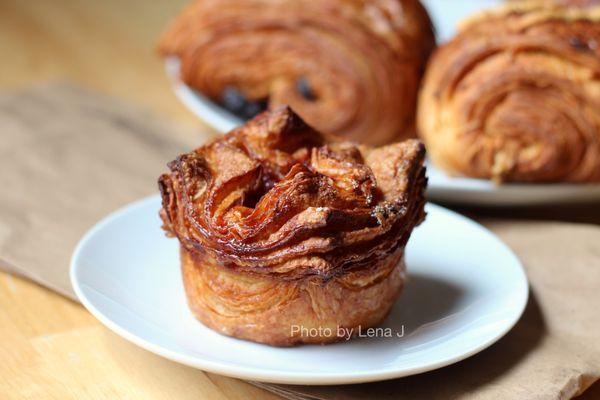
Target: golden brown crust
{"type": "Point", "coordinates": [284, 313]}
{"type": "Point", "coordinates": [361, 59]}
{"type": "Point", "coordinates": [515, 96]}
{"type": "Point", "coordinates": [273, 221]}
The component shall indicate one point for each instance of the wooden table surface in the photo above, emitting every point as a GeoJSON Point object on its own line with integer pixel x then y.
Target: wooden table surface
{"type": "Point", "coordinates": [51, 347]}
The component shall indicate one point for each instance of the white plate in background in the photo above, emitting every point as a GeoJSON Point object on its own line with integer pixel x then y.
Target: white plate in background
{"type": "Point", "coordinates": [211, 113]}
{"type": "Point", "coordinates": [481, 192]}
{"type": "Point", "coordinates": [441, 187]}
{"type": "Point", "coordinates": [465, 290]}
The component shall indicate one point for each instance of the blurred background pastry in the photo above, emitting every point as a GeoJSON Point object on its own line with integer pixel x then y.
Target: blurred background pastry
{"type": "Point", "coordinates": [515, 96]}
{"type": "Point", "coordinates": [347, 67]}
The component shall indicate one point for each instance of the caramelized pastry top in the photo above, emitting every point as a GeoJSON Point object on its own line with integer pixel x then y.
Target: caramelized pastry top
{"type": "Point", "coordinates": [515, 96]}
{"type": "Point", "coordinates": [273, 197]}
{"type": "Point", "coordinates": [348, 67]}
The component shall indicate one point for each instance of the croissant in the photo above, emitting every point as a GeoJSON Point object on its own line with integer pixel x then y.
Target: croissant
{"type": "Point", "coordinates": [287, 239]}
{"type": "Point", "coordinates": [347, 67]}
{"type": "Point", "coordinates": [515, 96]}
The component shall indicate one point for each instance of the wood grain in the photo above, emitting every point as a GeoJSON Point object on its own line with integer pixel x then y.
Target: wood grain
{"type": "Point", "coordinates": [51, 347]}
{"type": "Point", "coordinates": [105, 45]}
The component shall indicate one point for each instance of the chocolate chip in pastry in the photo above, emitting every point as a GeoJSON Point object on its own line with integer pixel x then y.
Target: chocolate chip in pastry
{"type": "Point", "coordinates": [515, 96]}
{"type": "Point", "coordinates": [347, 67]}
{"type": "Point", "coordinates": [282, 232]}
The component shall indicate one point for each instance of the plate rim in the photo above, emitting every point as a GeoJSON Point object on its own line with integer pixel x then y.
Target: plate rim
{"type": "Point", "coordinates": [282, 377]}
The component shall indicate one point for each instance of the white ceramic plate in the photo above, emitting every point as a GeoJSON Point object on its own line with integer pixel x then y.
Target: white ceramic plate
{"type": "Point", "coordinates": [480, 192]}
{"type": "Point", "coordinates": [443, 188]}
{"type": "Point", "coordinates": [465, 290]}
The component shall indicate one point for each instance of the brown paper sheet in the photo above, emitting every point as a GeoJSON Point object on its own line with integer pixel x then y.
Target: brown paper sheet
{"type": "Point", "coordinates": [68, 157]}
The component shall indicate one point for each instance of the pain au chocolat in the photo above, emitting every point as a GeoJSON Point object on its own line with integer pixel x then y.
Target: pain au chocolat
{"type": "Point", "coordinates": [347, 67]}
{"type": "Point", "coordinates": [283, 233]}
{"type": "Point", "coordinates": [515, 96]}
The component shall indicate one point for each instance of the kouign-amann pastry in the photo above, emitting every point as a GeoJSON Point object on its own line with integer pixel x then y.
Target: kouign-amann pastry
{"type": "Point", "coordinates": [282, 233]}
{"type": "Point", "coordinates": [347, 67]}
{"type": "Point", "coordinates": [515, 96]}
